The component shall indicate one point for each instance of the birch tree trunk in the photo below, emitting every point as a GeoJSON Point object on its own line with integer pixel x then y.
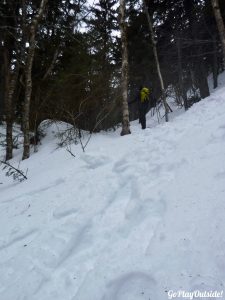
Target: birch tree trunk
{"type": "Point", "coordinates": [10, 87]}
{"type": "Point", "coordinates": [124, 79]}
{"type": "Point", "coordinates": [220, 26]}
{"type": "Point", "coordinates": [28, 78]}
{"type": "Point", "coordinates": [7, 105]}
{"type": "Point", "coordinates": [13, 76]}
{"type": "Point", "coordinates": [165, 104]}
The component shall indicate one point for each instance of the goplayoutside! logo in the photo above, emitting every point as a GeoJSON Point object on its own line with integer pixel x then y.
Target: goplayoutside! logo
{"type": "Point", "coordinates": [195, 294]}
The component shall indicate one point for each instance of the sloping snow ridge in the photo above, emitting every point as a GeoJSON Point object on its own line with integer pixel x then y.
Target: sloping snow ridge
{"type": "Point", "coordinates": [130, 219]}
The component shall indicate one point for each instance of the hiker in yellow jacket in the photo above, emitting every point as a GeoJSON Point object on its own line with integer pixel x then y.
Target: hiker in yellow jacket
{"type": "Point", "coordinates": [143, 103]}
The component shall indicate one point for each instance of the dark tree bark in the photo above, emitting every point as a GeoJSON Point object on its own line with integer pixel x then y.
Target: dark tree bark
{"type": "Point", "coordinates": [180, 73]}
{"type": "Point", "coordinates": [215, 64]}
{"type": "Point", "coordinates": [28, 77]}
{"type": "Point", "coordinates": [200, 73]}
{"type": "Point", "coordinates": [201, 79]}
{"type": "Point", "coordinates": [220, 26]}
{"type": "Point", "coordinates": [2, 90]}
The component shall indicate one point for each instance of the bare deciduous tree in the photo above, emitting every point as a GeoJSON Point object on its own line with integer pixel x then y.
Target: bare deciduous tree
{"type": "Point", "coordinates": [165, 104]}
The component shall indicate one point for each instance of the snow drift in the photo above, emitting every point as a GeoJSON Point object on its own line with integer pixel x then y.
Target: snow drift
{"type": "Point", "coordinates": [132, 218]}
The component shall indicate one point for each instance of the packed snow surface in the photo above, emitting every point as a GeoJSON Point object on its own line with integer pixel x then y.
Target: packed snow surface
{"type": "Point", "coordinates": [130, 219]}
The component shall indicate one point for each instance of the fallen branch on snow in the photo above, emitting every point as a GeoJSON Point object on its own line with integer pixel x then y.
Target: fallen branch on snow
{"type": "Point", "coordinates": [16, 173]}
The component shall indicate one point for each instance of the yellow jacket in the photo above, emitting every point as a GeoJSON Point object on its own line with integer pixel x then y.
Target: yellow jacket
{"type": "Point", "coordinates": [144, 93]}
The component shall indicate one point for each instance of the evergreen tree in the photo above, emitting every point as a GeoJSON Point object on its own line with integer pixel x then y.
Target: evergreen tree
{"type": "Point", "coordinates": [103, 48]}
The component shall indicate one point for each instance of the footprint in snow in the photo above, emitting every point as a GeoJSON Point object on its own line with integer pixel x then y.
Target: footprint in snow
{"type": "Point", "coordinates": [93, 162]}
{"type": "Point", "coordinates": [220, 175]}
{"type": "Point", "coordinates": [59, 248]}
{"type": "Point", "coordinates": [206, 283]}
{"type": "Point", "coordinates": [132, 286]}
{"type": "Point", "coordinates": [63, 213]}
{"type": "Point", "coordinates": [120, 166]}
{"type": "Point", "coordinates": [142, 206]}
{"type": "Point", "coordinates": [18, 239]}
{"type": "Point", "coordinates": [141, 209]}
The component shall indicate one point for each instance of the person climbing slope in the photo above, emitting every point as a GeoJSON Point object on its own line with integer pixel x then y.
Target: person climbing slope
{"type": "Point", "coordinates": [143, 103]}
{"type": "Point", "coordinates": [142, 98]}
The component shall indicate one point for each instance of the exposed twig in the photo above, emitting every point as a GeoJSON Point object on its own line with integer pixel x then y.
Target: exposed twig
{"type": "Point", "coordinates": [12, 171]}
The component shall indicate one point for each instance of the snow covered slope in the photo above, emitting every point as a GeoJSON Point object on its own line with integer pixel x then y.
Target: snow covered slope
{"type": "Point", "coordinates": [132, 218]}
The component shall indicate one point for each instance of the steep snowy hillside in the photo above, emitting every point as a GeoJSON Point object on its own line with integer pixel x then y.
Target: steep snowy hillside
{"type": "Point", "coordinates": [133, 218]}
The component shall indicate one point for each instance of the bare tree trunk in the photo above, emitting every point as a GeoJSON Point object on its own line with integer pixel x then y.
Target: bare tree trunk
{"type": "Point", "coordinates": [165, 104]}
{"type": "Point", "coordinates": [28, 78]}
{"type": "Point", "coordinates": [10, 87]}
{"type": "Point", "coordinates": [124, 79]}
{"type": "Point", "coordinates": [200, 74]}
{"type": "Point", "coordinates": [54, 59]}
{"type": "Point", "coordinates": [180, 73]}
{"type": "Point", "coordinates": [7, 104]}
{"type": "Point", "coordinates": [10, 112]}
{"type": "Point", "coordinates": [2, 91]}
{"type": "Point", "coordinates": [215, 64]}
{"type": "Point", "coordinates": [220, 25]}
